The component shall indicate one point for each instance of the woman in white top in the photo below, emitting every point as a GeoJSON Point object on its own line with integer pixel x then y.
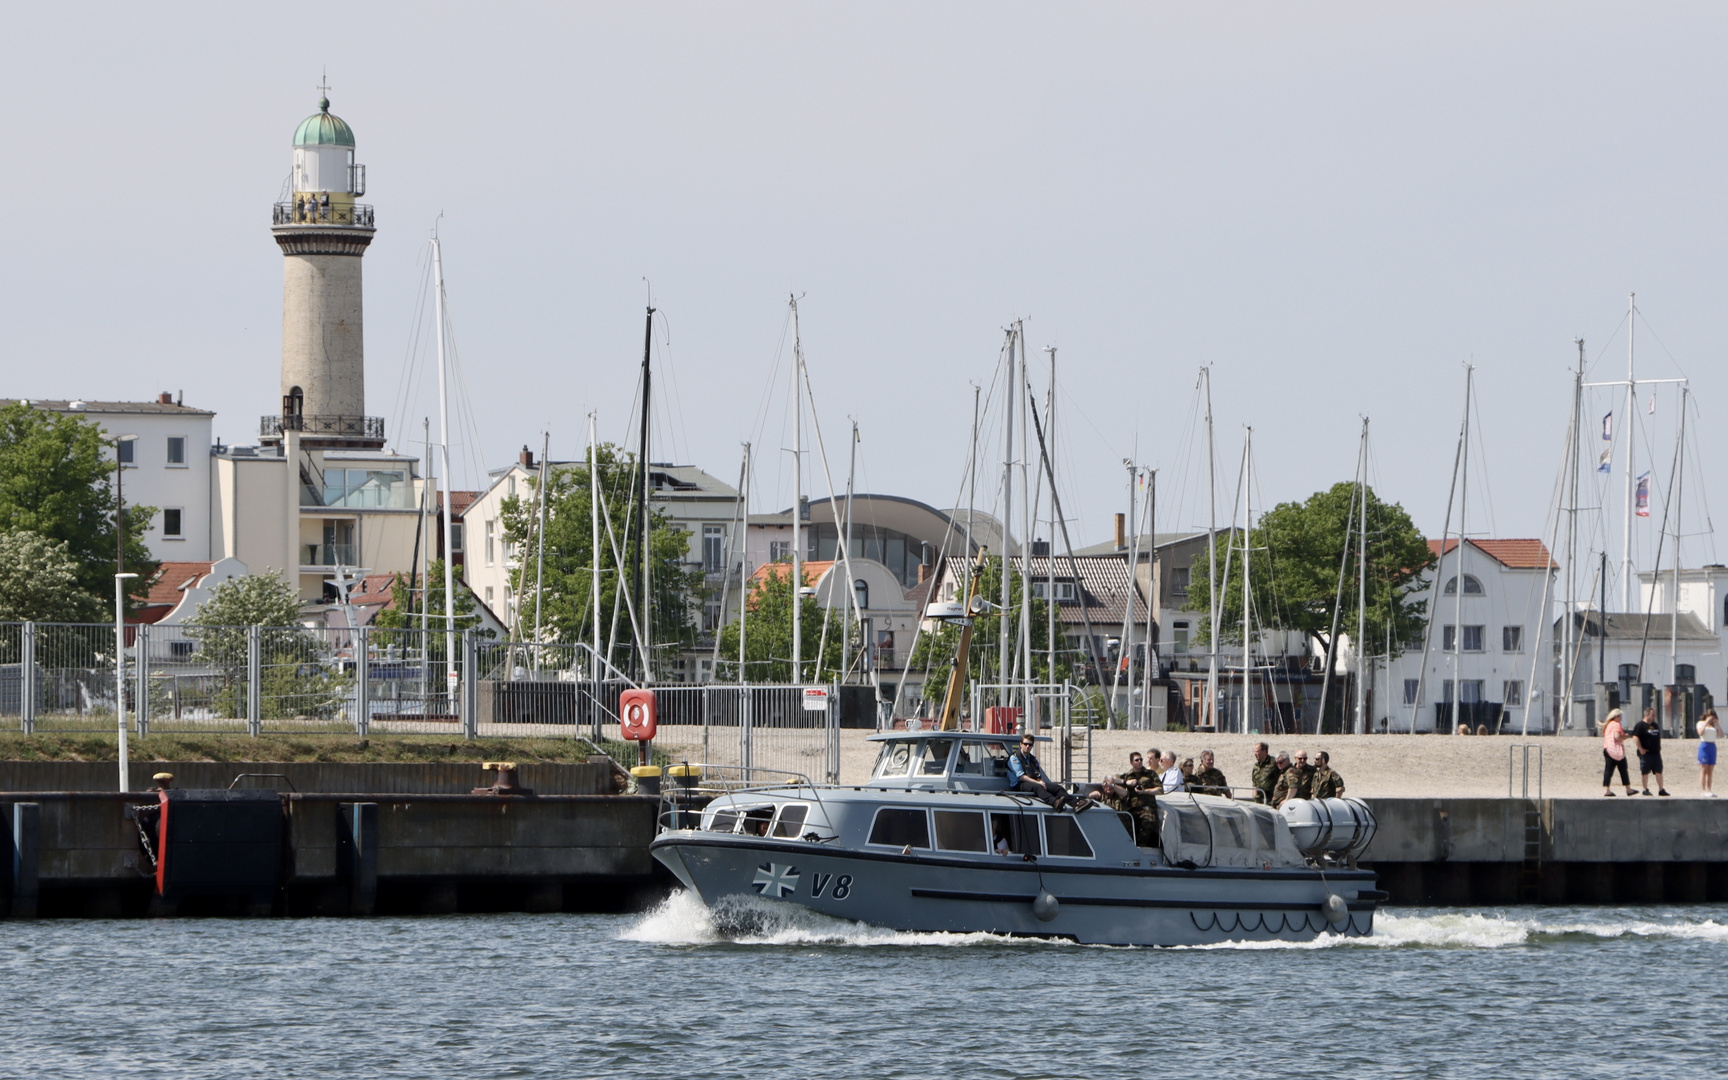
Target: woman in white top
{"type": "Point", "coordinates": [1709, 731]}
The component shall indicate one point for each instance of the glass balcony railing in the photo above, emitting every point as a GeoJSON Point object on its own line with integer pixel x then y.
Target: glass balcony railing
{"type": "Point", "coordinates": [354, 215]}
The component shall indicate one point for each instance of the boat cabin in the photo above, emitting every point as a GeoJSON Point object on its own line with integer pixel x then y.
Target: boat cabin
{"type": "Point", "coordinates": [942, 760]}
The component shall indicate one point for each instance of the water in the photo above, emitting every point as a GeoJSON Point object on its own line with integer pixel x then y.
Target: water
{"type": "Point", "coordinates": [770, 991]}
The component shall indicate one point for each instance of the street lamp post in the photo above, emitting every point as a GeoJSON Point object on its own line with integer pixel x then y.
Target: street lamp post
{"type": "Point", "coordinates": [120, 668]}
{"type": "Point", "coordinates": [120, 576]}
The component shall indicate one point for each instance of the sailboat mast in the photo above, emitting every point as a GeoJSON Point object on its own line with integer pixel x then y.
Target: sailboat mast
{"type": "Point", "coordinates": [1050, 604]}
{"type": "Point", "coordinates": [1674, 607]}
{"type": "Point", "coordinates": [1568, 662]}
{"type": "Point", "coordinates": [797, 498]}
{"type": "Point", "coordinates": [1024, 394]}
{"type": "Point", "coordinates": [1008, 405]}
{"type": "Point", "coordinates": [594, 535]}
{"type": "Point", "coordinates": [646, 646]}
{"type": "Point", "coordinates": [425, 553]}
{"type": "Point", "coordinates": [1627, 601]}
{"type": "Point", "coordinates": [1458, 563]}
{"type": "Point", "coordinates": [1125, 657]}
{"type": "Point", "coordinates": [1362, 590]}
{"type": "Point", "coordinates": [1247, 575]}
{"type": "Point", "coordinates": [1211, 556]}
{"type": "Point", "coordinates": [450, 676]}
{"type": "Point", "coordinates": [540, 533]}
{"type": "Point", "coordinates": [845, 559]}
{"type": "Point", "coordinates": [743, 560]}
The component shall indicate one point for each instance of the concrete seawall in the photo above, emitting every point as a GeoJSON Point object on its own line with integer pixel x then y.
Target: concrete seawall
{"type": "Point", "coordinates": [453, 778]}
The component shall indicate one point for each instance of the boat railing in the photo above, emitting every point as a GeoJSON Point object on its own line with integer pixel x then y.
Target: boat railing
{"type": "Point", "coordinates": [727, 781]}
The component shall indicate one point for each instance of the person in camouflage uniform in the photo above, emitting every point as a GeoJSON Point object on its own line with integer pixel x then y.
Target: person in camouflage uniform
{"type": "Point", "coordinates": [1210, 780]}
{"type": "Point", "coordinates": [1297, 781]}
{"type": "Point", "coordinates": [1132, 793]}
{"type": "Point", "coordinates": [1265, 774]}
{"type": "Point", "coordinates": [1327, 783]}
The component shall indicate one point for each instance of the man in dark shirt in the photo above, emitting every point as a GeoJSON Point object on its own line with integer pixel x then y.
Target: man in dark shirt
{"type": "Point", "coordinates": [1649, 736]}
{"type": "Point", "coordinates": [1026, 774]}
{"type": "Point", "coordinates": [1265, 773]}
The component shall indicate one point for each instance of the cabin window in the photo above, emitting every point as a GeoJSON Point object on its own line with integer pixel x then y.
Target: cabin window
{"type": "Point", "coordinates": [1063, 839]}
{"type": "Point", "coordinates": [933, 756]}
{"type": "Point", "coordinates": [723, 821]}
{"type": "Point", "coordinates": [981, 759]}
{"type": "Point", "coordinates": [791, 821]}
{"type": "Point", "coordinates": [1014, 834]}
{"type": "Point", "coordinates": [1229, 827]}
{"type": "Point", "coordinates": [960, 830]}
{"type": "Point", "coordinates": [895, 759]}
{"type": "Point", "coordinates": [756, 821]}
{"type": "Point", "coordinates": [900, 828]}
{"type": "Point", "coordinates": [1268, 830]}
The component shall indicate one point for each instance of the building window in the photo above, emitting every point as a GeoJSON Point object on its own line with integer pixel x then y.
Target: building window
{"type": "Point", "coordinates": [1179, 580]}
{"type": "Point", "coordinates": [488, 596]}
{"type": "Point", "coordinates": [710, 616]}
{"type": "Point", "coordinates": [1512, 694]}
{"type": "Point", "coordinates": [1472, 587]}
{"type": "Point", "coordinates": [1469, 690]}
{"type": "Point", "coordinates": [779, 551]}
{"type": "Point", "coordinates": [1512, 639]}
{"type": "Point", "coordinates": [1412, 690]}
{"type": "Point", "coordinates": [491, 541]}
{"type": "Point", "coordinates": [455, 536]}
{"type": "Point", "coordinates": [713, 548]}
{"type": "Point", "coordinates": [1065, 591]}
{"type": "Point", "coordinates": [512, 485]}
{"type": "Point", "coordinates": [1179, 637]}
{"type": "Point", "coordinates": [171, 528]}
{"type": "Point", "coordinates": [123, 452]}
{"type": "Point", "coordinates": [861, 594]}
{"type": "Point", "coordinates": [176, 449]}
{"type": "Point", "coordinates": [1472, 639]}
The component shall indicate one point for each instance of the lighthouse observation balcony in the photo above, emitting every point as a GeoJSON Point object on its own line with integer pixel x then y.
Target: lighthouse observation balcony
{"type": "Point", "coordinates": [325, 430]}
{"type": "Point", "coordinates": [353, 215]}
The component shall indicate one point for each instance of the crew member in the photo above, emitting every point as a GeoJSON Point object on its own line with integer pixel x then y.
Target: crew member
{"type": "Point", "coordinates": [1210, 779]}
{"type": "Point", "coordinates": [1265, 774]}
{"type": "Point", "coordinates": [1327, 783]}
{"type": "Point", "coordinates": [1025, 774]}
{"type": "Point", "coordinates": [1297, 781]}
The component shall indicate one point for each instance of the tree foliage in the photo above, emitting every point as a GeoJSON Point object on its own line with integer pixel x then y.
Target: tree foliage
{"type": "Point", "coordinates": [566, 612]}
{"type": "Point", "coordinates": [768, 636]}
{"type": "Point", "coordinates": [1296, 551]}
{"type": "Point", "coordinates": [55, 481]}
{"type": "Point", "coordinates": [399, 623]}
{"type": "Point", "coordinates": [936, 649]}
{"type": "Point", "coordinates": [298, 676]}
{"type": "Point", "coordinates": [39, 581]}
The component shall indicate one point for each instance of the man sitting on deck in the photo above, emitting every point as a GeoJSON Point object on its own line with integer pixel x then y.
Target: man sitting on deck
{"type": "Point", "coordinates": [1025, 774]}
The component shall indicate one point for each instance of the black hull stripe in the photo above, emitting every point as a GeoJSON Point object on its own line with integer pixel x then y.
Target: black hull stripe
{"type": "Point", "coordinates": [1112, 901]}
{"type": "Point", "coordinates": [1213, 873]}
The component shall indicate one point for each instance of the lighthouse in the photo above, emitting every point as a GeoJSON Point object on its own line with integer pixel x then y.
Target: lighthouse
{"type": "Point", "coordinates": [323, 232]}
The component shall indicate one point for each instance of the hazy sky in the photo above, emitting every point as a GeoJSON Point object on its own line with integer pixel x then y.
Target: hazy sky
{"type": "Point", "coordinates": [1336, 206]}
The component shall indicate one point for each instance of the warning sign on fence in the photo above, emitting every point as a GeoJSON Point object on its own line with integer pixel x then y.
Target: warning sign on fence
{"type": "Point", "coordinates": [815, 699]}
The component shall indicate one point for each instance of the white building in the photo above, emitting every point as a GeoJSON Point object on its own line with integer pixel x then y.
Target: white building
{"type": "Point", "coordinates": [1489, 640]}
{"type": "Point", "coordinates": [166, 466]}
{"type": "Point", "coordinates": [1704, 596]}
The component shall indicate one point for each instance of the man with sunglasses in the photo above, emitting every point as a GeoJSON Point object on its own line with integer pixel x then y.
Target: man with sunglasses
{"type": "Point", "coordinates": [1027, 775]}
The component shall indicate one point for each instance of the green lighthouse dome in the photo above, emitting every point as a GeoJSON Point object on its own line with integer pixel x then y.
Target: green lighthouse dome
{"type": "Point", "coordinates": [323, 129]}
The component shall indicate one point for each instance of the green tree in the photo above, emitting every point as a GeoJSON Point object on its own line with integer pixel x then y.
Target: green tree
{"type": "Point", "coordinates": [936, 649]}
{"type": "Point", "coordinates": [299, 676]}
{"type": "Point", "coordinates": [1297, 548]}
{"type": "Point", "coordinates": [55, 481]}
{"type": "Point", "coordinates": [768, 636]}
{"type": "Point", "coordinates": [39, 581]}
{"type": "Point", "coordinates": [565, 612]}
{"type": "Point", "coordinates": [399, 622]}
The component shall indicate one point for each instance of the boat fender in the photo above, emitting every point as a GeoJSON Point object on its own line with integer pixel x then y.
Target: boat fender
{"type": "Point", "coordinates": [1045, 906]}
{"type": "Point", "coordinates": [1187, 864]}
{"type": "Point", "coordinates": [1335, 909]}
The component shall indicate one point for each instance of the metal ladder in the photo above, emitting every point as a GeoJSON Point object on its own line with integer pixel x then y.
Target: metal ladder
{"type": "Point", "coordinates": [1530, 874]}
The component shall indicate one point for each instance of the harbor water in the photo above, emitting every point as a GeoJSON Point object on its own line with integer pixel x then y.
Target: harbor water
{"type": "Point", "coordinates": [770, 991]}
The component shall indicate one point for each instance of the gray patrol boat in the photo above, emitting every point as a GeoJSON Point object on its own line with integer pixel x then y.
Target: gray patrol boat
{"type": "Point", "coordinates": [935, 841]}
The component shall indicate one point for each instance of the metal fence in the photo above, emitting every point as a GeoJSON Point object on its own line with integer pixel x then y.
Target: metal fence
{"type": "Point", "coordinates": [330, 680]}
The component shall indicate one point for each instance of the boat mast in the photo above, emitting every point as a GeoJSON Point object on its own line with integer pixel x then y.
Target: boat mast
{"type": "Point", "coordinates": [1007, 511]}
{"type": "Point", "coordinates": [1458, 567]}
{"type": "Point", "coordinates": [1627, 418]}
{"type": "Point", "coordinates": [1362, 591]}
{"type": "Point", "coordinates": [425, 559]}
{"type": "Point", "coordinates": [594, 535]}
{"type": "Point", "coordinates": [645, 646]}
{"type": "Point", "coordinates": [797, 499]}
{"type": "Point", "coordinates": [1125, 651]}
{"type": "Point", "coordinates": [1568, 662]}
{"type": "Point", "coordinates": [1211, 556]}
{"type": "Point", "coordinates": [743, 560]}
{"type": "Point", "coordinates": [1027, 511]}
{"type": "Point", "coordinates": [450, 675]}
{"type": "Point", "coordinates": [1247, 578]}
{"type": "Point", "coordinates": [540, 555]}
{"type": "Point", "coordinates": [845, 559]}
{"type": "Point", "coordinates": [1050, 604]}
{"type": "Point", "coordinates": [1674, 607]}
{"type": "Point", "coordinates": [1148, 661]}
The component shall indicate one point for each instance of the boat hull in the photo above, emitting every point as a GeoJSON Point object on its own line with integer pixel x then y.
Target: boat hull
{"type": "Point", "coordinates": [1127, 905]}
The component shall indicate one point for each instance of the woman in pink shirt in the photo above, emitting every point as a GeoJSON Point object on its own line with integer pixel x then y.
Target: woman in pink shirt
{"type": "Point", "coordinates": [1614, 753]}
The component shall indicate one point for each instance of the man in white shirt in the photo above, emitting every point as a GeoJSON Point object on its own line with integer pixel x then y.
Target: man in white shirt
{"type": "Point", "coordinates": [1171, 774]}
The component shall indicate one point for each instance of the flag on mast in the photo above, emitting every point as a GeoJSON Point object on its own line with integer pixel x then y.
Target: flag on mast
{"type": "Point", "coordinates": [1652, 409]}
{"type": "Point", "coordinates": [1605, 463]}
{"type": "Point", "coordinates": [1608, 427]}
{"type": "Point", "coordinates": [1642, 500]}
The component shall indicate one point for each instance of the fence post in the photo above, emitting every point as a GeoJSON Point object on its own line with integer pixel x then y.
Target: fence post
{"type": "Point", "coordinates": [254, 681]}
{"type": "Point", "coordinates": [27, 680]}
{"type": "Point", "coordinates": [363, 681]}
{"type": "Point", "coordinates": [468, 698]}
{"type": "Point", "coordinates": [833, 733]}
{"type": "Point", "coordinates": [141, 704]}
{"type": "Point", "coordinates": [744, 757]}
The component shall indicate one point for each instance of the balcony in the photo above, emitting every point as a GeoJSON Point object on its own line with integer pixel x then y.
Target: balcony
{"type": "Point", "coordinates": [328, 554]}
{"type": "Point", "coordinates": [353, 215]}
{"type": "Point", "coordinates": [370, 428]}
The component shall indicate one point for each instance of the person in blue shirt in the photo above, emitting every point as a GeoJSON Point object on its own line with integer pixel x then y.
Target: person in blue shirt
{"type": "Point", "coordinates": [1025, 774]}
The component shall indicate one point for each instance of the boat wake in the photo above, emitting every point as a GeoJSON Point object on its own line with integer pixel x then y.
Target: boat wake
{"type": "Point", "coordinates": [1477, 930]}
{"type": "Point", "coordinates": [683, 919]}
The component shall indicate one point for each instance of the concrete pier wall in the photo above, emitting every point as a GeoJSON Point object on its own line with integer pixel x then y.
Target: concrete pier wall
{"type": "Point", "coordinates": [454, 778]}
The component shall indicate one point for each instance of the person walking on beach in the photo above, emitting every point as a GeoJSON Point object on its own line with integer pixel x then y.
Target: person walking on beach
{"type": "Point", "coordinates": [1709, 732]}
{"type": "Point", "coordinates": [1649, 735]}
{"type": "Point", "coordinates": [1614, 753]}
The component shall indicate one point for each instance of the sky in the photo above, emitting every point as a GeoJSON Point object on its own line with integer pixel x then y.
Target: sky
{"type": "Point", "coordinates": [1336, 207]}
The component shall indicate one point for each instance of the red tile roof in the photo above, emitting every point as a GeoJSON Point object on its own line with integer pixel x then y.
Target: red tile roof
{"type": "Point", "coordinates": [813, 571]}
{"type": "Point", "coordinates": [167, 589]}
{"type": "Point", "coordinates": [1513, 554]}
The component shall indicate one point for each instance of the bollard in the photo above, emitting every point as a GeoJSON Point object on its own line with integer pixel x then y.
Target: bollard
{"type": "Point", "coordinates": [647, 779]}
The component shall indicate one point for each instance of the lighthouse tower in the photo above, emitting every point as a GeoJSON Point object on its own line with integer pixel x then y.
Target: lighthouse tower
{"type": "Point", "coordinates": [323, 233]}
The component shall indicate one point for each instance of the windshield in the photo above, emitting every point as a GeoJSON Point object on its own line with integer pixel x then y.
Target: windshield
{"type": "Point", "coordinates": [933, 756]}
{"type": "Point", "coordinates": [894, 760]}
